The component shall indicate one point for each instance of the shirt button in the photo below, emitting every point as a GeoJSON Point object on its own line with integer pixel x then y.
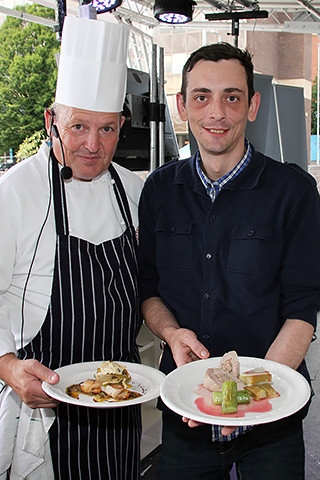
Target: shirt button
{"type": "Point", "coordinates": [172, 229]}
{"type": "Point", "coordinates": [206, 296]}
{"type": "Point", "coordinates": [212, 217]}
{"type": "Point", "coordinates": [205, 336]}
{"type": "Point", "coordinates": [208, 256]}
{"type": "Point", "coordinates": [251, 233]}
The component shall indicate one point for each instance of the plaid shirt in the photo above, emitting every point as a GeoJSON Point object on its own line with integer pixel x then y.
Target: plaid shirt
{"type": "Point", "coordinates": [213, 189]}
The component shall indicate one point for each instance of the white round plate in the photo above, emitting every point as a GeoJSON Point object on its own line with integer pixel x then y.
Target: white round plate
{"type": "Point", "coordinates": [178, 392]}
{"type": "Point", "coordinates": [145, 380]}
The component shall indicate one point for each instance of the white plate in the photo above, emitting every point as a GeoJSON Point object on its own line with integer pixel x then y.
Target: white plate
{"type": "Point", "coordinates": [145, 380]}
{"type": "Point", "coordinates": [178, 392]}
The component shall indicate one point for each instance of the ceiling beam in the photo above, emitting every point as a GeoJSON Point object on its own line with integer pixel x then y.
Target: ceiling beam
{"type": "Point", "coordinates": [307, 5]}
{"type": "Point", "coordinates": [302, 27]}
{"type": "Point", "coordinates": [29, 18]}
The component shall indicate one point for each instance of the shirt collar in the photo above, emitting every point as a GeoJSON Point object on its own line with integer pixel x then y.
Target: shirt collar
{"type": "Point", "coordinates": [214, 187]}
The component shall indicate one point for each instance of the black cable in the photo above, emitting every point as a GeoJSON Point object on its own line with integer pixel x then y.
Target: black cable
{"type": "Point", "coordinates": [35, 253]}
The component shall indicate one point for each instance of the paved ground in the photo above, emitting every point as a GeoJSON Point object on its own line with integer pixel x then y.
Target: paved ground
{"type": "Point", "coordinates": [311, 424]}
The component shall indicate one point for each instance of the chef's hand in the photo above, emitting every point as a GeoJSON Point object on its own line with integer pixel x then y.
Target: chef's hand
{"type": "Point", "coordinates": [185, 347]}
{"type": "Point", "coordinates": [193, 424]}
{"type": "Point", "coordinates": [25, 378]}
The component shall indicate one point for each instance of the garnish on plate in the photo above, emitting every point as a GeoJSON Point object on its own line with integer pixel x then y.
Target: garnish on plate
{"type": "Point", "coordinates": [230, 388]}
{"type": "Point", "coordinates": [111, 383]}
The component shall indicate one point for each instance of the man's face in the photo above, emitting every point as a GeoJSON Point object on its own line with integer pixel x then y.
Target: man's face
{"type": "Point", "coordinates": [89, 140]}
{"type": "Point", "coordinates": [217, 108]}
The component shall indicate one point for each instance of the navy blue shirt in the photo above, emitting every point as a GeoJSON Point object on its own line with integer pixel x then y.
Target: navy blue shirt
{"type": "Point", "coordinates": [235, 269]}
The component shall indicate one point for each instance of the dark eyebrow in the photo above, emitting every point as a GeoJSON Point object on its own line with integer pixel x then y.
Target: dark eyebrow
{"type": "Point", "coordinates": [201, 90]}
{"type": "Point", "coordinates": [208, 90]}
{"type": "Point", "coordinates": [233, 89]}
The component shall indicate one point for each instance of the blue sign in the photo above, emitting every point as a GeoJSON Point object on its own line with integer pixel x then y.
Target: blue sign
{"type": "Point", "coordinates": [313, 148]}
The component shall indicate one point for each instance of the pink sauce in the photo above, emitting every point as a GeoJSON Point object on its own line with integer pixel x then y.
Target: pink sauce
{"type": "Point", "coordinates": [205, 405]}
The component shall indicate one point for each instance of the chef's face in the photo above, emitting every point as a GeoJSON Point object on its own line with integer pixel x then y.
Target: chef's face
{"type": "Point", "coordinates": [89, 139]}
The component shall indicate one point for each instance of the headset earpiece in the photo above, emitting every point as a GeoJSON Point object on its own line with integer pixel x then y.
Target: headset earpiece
{"type": "Point", "coordinates": [66, 171]}
{"type": "Point", "coordinates": [54, 131]}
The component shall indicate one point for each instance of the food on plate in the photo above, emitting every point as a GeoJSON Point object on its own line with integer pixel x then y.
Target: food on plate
{"type": "Point", "coordinates": [228, 369]}
{"type": "Point", "coordinates": [112, 372]}
{"type": "Point", "coordinates": [255, 376]}
{"type": "Point", "coordinates": [256, 392]}
{"type": "Point", "coordinates": [90, 386]}
{"type": "Point", "coordinates": [215, 377]}
{"type": "Point", "coordinates": [230, 363]}
{"type": "Point", "coordinates": [231, 388]}
{"type": "Point", "coordinates": [271, 392]}
{"type": "Point", "coordinates": [229, 397]}
{"type": "Point", "coordinates": [111, 383]}
{"type": "Point", "coordinates": [243, 397]}
{"type": "Point", "coordinates": [262, 390]}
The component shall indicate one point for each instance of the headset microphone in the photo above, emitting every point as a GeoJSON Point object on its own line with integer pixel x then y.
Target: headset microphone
{"type": "Point", "coordinates": [66, 172]}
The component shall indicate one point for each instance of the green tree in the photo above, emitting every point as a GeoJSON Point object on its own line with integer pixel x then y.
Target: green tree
{"type": "Point", "coordinates": [30, 145]}
{"type": "Point", "coordinates": [314, 107]}
{"type": "Point", "coordinates": [28, 76]}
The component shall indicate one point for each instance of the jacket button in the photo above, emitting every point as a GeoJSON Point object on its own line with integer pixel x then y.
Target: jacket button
{"type": "Point", "coordinates": [251, 233]}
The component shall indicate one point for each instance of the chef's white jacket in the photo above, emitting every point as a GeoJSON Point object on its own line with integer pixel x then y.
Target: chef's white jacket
{"type": "Point", "coordinates": [25, 196]}
{"type": "Point", "coordinates": [28, 238]}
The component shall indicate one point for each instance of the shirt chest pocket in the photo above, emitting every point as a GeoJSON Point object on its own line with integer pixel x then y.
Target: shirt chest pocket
{"type": "Point", "coordinates": [250, 250]}
{"type": "Point", "coordinates": [174, 244]}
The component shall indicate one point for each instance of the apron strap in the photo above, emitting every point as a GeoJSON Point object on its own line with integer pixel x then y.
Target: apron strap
{"type": "Point", "coordinates": [121, 196]}
{"type": "Point", "coordinates": [60, 203]}
{"type": "Point", "coordinates": [59, 198]}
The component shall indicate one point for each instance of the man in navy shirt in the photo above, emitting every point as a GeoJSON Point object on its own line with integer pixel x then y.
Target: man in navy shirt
{"type": "Point", "coordinates": [229, 260]}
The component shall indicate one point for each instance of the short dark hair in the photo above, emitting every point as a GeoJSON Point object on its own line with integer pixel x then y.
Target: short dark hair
{"type": "Point", "coordinates": [214, 53]}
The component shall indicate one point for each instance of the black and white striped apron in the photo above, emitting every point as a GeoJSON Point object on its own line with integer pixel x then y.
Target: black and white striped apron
{"type": "Point", "coordinates": [93, 315]}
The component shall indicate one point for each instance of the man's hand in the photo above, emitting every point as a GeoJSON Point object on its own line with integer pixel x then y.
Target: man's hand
{"type": "Point", "coordinates": [227, 430]}
{"type": "Point", "coordinates": [185, 347]}
{"type": "Point", "coordinates": [194, 423]}
{"type": "Point", "coordinates": [25, 377]}
{"type": "Point", "coordinates": [183, 342]}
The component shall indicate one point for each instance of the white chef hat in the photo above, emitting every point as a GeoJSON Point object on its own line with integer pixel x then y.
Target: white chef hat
{"type": "Point", "coordinates": [92, 72]}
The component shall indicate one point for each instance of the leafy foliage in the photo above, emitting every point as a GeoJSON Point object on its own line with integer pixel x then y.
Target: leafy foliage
{"type": "Point", "coordinates": [314, 107]}
{"type": "Point", "coordinates": [30, 145]}
{"type": "Point", "coordinates": [28, 76]}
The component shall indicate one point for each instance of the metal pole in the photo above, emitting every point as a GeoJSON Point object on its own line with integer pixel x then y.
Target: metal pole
{"type": "Point", "coordinates": [278, 122]}
{"type": "Point", "coordinates": [235, 30]}
{"type": "Point", "coordinates": [153, 109]}
{"type": "Point", "coordinates": [162, 107]}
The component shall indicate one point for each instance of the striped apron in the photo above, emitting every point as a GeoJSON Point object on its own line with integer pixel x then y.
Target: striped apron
{"type": "Point", "coordinates": [93, 315]}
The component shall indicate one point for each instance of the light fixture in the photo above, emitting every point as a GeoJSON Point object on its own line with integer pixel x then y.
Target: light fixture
{"type": "Point", "coordinates": [235, 17]}
{"type": "Point", "coordinates": [103, 6]}
{"type": "Point", "coordinates": [174, 11]}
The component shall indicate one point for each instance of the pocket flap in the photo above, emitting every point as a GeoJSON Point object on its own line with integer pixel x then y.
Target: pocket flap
{"type": "Point", "coordinates": [252, 231]}
{"type": "Point", "coordinates": [174, 228]}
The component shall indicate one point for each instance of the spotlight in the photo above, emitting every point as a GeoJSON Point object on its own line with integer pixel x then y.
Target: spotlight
{"type": "Point", "coordinates": [174, 11]}
{"type": "Point", "coordinates": [103, 6]}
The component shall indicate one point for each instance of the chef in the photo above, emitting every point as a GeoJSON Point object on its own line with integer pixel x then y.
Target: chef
{"type": "Point", "coordinates": [68, 284]}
